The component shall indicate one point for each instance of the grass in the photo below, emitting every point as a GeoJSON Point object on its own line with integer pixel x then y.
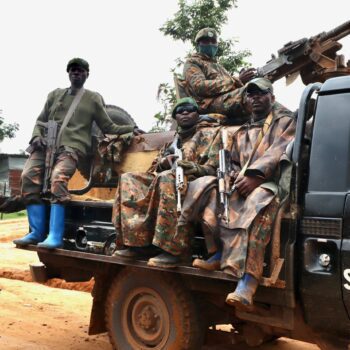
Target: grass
{"type": "Point", "coordinates": [17, 215]}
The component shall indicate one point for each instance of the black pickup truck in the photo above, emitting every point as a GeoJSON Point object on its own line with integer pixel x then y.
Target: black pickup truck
{"type": "Point", "coordinates": [305, 292]}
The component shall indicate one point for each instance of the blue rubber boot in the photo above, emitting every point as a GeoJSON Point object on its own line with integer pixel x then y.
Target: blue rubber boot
{"type": "Point", "coordinates": [37, 222]}
{"type": "Point", "coordinates": [242, 297]}
{"type": "Point", "coordinates": [55, 238]}
{"type": "Point", "coordinates": [211, 264]}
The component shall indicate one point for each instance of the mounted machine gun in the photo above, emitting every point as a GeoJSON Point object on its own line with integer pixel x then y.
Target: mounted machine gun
{"type": "Point", "coordinates": [315, 59]}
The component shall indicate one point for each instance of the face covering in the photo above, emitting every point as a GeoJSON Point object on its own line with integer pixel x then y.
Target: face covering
{"type": "Point", "coordinates": [209, 50]}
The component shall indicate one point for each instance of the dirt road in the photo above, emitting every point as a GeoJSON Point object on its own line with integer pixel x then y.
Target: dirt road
{"type": "Point", "coordinates": [35, 316]}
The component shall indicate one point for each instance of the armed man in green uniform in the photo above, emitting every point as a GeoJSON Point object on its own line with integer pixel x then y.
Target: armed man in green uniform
{"type": "Point", "coordinates": [147, 204]}
{"type": "Point", "coordinates": [74, 109]}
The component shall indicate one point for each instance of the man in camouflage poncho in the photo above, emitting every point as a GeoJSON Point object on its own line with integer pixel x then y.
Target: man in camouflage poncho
{"type": "Point", "coordinates": [145, 210]}
{"type": "Point", "coordinates": [256, 148]}
{"type": "Point", "coordinates": [208, 82]}
{"type": "Point", "coordinates": [72, 143]}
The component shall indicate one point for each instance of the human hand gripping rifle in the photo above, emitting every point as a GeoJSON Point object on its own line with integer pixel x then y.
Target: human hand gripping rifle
{"type": "Point", "coordinates": [51, 132]}
{"type": "Point", "coordinates": [223, 175]}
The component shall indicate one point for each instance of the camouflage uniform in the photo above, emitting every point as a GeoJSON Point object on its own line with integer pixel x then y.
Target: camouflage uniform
{"type": "Point", "coordinates": [216, 91]}
{"type": "Point", "coordinates": [74, 143]}
{"type": "Point", "coordinates": [145, 207]}
{"type": "Point", "coordinates": [251, 218]}
{"type": "Point", "coordinates": [33, 173]}
{"type": "Point", "coordinates": [213, 88]}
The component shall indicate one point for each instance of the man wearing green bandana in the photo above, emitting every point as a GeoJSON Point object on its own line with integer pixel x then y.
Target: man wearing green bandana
{"type": "Point", "coordinates": [145, 209]}
{"type": "Point", "coordinates": [214, 89]}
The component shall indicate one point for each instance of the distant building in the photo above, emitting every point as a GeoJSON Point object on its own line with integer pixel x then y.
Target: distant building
{"type": "Point", "coordinates": [11, 166]}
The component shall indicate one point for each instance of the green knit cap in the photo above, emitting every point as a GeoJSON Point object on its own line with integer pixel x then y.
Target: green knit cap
{"type": "Point", "coordinates": [183, 101]}
{"type": "Point", "coordinates": [78, 62]}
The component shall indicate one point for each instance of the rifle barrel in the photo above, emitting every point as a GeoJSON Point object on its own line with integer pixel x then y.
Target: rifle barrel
{"type": "Point", "coordinates": [337, 33]}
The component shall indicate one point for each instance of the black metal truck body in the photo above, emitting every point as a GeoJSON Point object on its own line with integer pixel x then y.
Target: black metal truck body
{"type": "Point", "coordinates": [309, 299]}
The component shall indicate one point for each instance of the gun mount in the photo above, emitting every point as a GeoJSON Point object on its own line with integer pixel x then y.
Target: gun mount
{"type": "Point", "coordinates": [314, 58]}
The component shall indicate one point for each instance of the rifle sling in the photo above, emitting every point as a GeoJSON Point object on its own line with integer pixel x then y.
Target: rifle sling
{"type": "Point", "coordinates": [262, 133]}
{"type": "Point", "coordinates": [70, 113]}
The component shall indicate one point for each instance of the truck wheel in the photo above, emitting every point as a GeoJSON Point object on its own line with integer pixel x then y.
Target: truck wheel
{"type": "Point", "coordinates": [120, 117]}
{"type": "Point", "coordinates": [151, 310]}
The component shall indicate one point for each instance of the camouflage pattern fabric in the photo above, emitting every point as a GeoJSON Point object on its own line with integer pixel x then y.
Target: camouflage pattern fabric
{"type": "Point", "coordinates": [217, 91]}
{"type": "Point", "coordinates": [243, 211]}
{"type": "Point", "coordinates": [200, 206]}
{"type": "Point", "coordinates": [259, 237]}
{"type": "Point", "coordinates": [213, 88]}
{"type": "Point", "coordinates": [33, 174]}
{"type": "Point", "coordinates": [244, 250]}
{"type": "Point", "coordinates": [112, 147]}
{"type": "Point", "coordinates": [264, 163]}
{"type": "Point", "coordinates": [144, 212]}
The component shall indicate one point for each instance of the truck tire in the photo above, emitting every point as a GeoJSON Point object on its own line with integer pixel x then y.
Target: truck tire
{"type": "Point", "coordinates": [151, 310]}
{"type": "Point", "coordinates": [120, 117]}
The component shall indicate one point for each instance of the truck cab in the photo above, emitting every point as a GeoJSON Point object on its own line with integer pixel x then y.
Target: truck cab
{"type": "Point", "coordinates": [305, 291]}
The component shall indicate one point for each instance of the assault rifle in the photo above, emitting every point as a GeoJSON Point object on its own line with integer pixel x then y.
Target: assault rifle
{"type": "Point", "coordinates": [179, 175]}
{"type": "Point", "coordinates": [223, 175]}
{"type": "Point", "coordinates": [51, 132]}
{"type": "Point", "coordinates": [314, 58]}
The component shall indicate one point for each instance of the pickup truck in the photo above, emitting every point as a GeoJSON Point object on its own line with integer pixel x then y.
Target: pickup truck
{"type": "Point", "coordinates": [305, 291]}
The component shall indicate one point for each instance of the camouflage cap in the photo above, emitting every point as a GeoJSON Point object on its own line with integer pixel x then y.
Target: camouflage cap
{"type": "Point", "coordinates": [183, 101]}
{"type": "Point", "coordinates": [78, 62]}
{"type": "Point", "coordinates": [206, 33]}
{"type": "Point", "coordinates": [262, 84]}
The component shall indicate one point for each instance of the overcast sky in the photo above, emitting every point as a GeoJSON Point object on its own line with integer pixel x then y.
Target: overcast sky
{"type": "Point", "coordinates": [128, 55]}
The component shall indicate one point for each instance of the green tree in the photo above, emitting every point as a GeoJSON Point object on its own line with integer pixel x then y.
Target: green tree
{"type": "Point", "coordinates": [7, 130]}
{"type": "Point", "coordinates": [187, 21]}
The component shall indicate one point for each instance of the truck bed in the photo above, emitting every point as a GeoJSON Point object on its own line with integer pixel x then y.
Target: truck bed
{"type": "Point", "coordinates": [80, 259]}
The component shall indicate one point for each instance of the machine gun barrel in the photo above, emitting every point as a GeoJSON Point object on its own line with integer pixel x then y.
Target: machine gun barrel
{"type": "Point", "coordinates": [336, 33]}
{"type": "Point", "coordinates": [314, 58]}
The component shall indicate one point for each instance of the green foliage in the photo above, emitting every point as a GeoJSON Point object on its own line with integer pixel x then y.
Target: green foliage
{"type": "Point", "coordinates": [187, 21]}
{"type": "Point", "coordinates": [17, 215]}
{"type": "Point", "coordinates": [166, 95]}
{"type": "Point", "coordinates": [7, 130]}
{"type": "Point", "coordinates": [197, 15]}
{"type": "Point", "coordinates": [231, 60]}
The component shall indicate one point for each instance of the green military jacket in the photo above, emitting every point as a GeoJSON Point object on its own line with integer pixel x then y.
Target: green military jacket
{"type": "Point", "coordinates": [77, 133]}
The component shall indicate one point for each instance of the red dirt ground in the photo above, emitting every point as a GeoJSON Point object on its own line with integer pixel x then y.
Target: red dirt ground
{"type": "Point", "coordinates": [36, 316]}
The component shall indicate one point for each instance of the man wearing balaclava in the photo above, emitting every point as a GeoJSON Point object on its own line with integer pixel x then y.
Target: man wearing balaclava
{"type": "Point", "coordinates": [214, 89]}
